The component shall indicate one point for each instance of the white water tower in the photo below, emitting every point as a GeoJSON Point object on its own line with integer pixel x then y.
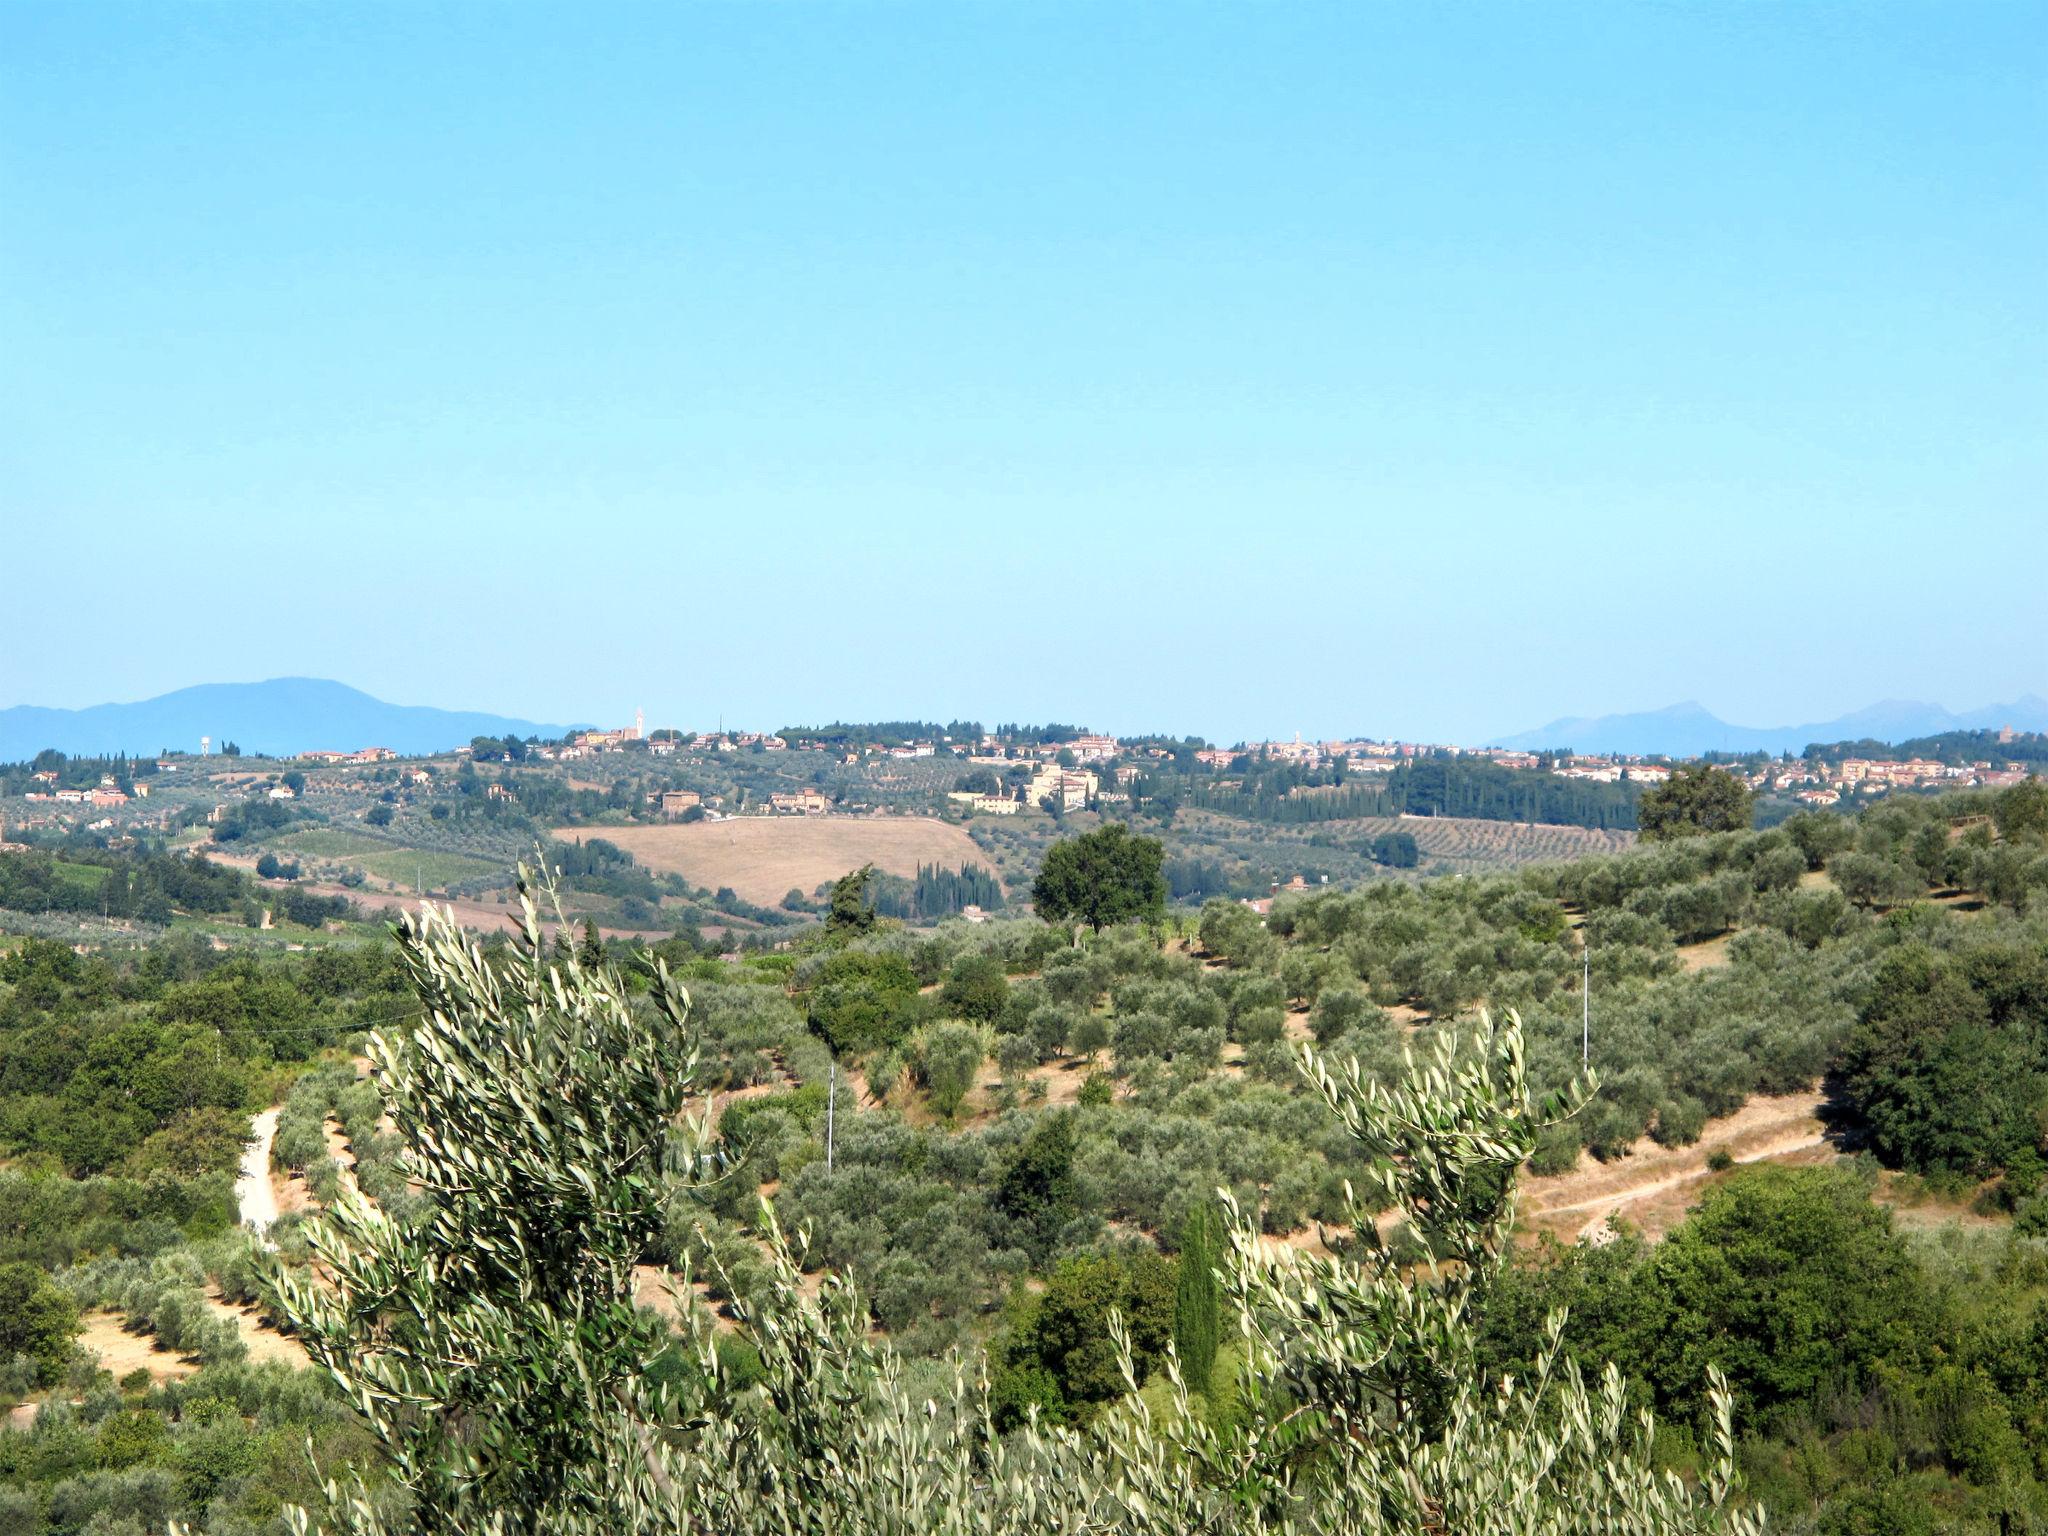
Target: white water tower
{"type": "Point", "coordinates": [205, 745]}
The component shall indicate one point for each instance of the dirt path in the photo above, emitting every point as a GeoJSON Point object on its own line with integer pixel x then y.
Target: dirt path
{"type": "Point", "coordinates": [255, 1191]}
{"type": "Point", "coordinates": [344, 1154]}
{"type": "Point", "coordinates": [1655, 1185]}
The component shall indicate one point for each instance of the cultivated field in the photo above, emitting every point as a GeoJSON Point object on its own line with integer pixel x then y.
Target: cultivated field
{"type": "Point", "coordinates": [764, 857]}
{"type": "Point", "coordinates": [1465, 841]}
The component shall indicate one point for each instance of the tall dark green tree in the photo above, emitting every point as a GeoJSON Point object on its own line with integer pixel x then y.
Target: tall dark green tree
{"type": "Point", "coordinates": [1102, 878]}
{"type": "Point", "coordinates": [850, 913]}
{"type": "Point", "coordinates": [1198, 1298]}
{"type": "Point", "coordinates": [37, 1319]}
{"type": "Point", "coordinates": [1696, 800]}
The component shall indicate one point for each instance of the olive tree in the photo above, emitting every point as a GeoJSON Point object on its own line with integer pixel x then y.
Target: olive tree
{"type": "Point", "coordinates": [492, 1346]}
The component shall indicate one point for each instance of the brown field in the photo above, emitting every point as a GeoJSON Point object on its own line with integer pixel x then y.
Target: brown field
{"type": "Point", "coordinates": [122, 1349]}
{"type": "Point", "coordinates": [764, 857]}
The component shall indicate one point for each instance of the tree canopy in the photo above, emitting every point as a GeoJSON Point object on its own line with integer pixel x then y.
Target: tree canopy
{"type": "Point", "coordinates": [1694, 800]}
{"type": "Point", "coordinates": [1101, 878]}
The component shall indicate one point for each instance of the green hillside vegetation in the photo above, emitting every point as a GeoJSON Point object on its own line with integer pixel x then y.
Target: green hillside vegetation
{"type": "Point", "coordinates": [1027, 1140]}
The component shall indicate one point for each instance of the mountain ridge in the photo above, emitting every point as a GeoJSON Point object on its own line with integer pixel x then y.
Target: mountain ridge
{"type": "Point", "coordinates": [1689, 728]}
{"type": "Point", "coordinates": [277, 717]}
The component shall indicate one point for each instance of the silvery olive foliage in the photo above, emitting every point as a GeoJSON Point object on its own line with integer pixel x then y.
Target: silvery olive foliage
{"type": "Point", "coordinates": [495, 1350]}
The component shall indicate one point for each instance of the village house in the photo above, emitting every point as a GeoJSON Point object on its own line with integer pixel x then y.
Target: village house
{"type": "Point", "coordinates": [106, 796]}
{"type": "Point", "coordinates": [282, 792]}
{"type": "Point", "coordinates": [985, 805]}
{"type": "Point", "coordinates": [1070, 788]}
{"type": "Point", "coordinates": [1594, 770]}
{"type": "Point", "coordinates": [605, 741]}
{"type": "Point", "coordinates": [676, 801]}
{"type": "Point", "coordinates": [804, 802]}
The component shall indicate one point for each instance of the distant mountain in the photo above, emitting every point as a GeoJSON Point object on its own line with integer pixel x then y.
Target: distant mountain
{"type": "Point", "coordinates": [1686, 730]}
{"type": "Point", "coordinates": [278, 717]}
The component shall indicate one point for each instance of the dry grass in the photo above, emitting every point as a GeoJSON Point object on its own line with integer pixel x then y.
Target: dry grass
{"type": "Point", "coordinates": [1706, 955]}
{"type": "Point", "coordinates": [764, 857]}
{"type": "Point", "coordinates": [1654, 1186]}
{"type": "Point", "coordinates": [123, 1349]}
{"type": "Point", "coordinates": [263, 1341]}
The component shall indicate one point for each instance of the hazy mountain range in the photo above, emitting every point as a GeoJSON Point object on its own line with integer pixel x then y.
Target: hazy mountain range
{"type": "Point", "coordinates": [278, 717]}
{"type": "Point", "coordinates": [304, 714]}
{"type": "Point", "coordinates": [1685, 730]}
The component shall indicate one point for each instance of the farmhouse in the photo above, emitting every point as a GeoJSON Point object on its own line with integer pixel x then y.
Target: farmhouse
{"type": "Point", "coordinates": [676, 801]}
{"type": "Point", "coordinates": [985, 805]}
{"type": "Point", "coordinates": [1092, 749]}
{"type": "Point", "coordinates": [1070, 788]}
{"type": "Point", "coordinates": [805, 802]}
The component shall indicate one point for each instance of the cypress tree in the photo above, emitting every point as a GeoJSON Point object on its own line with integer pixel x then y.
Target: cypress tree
{"type": "Point", "coordinates": [1197, 1299]}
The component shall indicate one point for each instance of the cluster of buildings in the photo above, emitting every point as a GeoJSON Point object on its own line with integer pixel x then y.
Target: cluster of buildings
{"type": "Point", "coordinates": [366, 755]}
{"type": "Point", "coordinates": [1819, 784]}
{"type": "Point", "coordinates": [1358, 756]}
{"type": "Point", "coordinates": [1600, 770]}
{"type": "Point", "coordinates": [107, 793]}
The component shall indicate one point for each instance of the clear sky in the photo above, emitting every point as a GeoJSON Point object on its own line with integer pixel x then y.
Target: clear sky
{"type": "Point", "coordinates": [1237, 368]}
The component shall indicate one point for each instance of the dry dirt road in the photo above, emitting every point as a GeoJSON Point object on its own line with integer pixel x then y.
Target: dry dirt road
{"type": "Point", "coordinates": [1654, 1186]}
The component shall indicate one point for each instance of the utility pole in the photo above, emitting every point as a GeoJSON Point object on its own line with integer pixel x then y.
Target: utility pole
{"type": "Point", "coordinates": [831, 1103]}
{"type": "Point", "coordinates": [1585, 1003]}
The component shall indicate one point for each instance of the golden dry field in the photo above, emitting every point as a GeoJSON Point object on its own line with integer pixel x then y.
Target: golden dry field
{"type": "Point", "coordinates": [764, 857]}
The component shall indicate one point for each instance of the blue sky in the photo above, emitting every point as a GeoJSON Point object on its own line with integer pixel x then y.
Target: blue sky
{"type": "Point", "coordinates": [1237, 368]}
